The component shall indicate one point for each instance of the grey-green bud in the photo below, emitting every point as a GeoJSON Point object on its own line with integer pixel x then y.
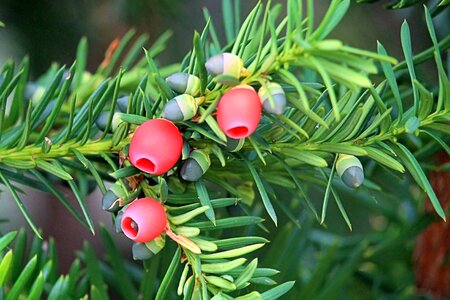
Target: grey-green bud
{"type": "Point", "coordinates": [102, 121]}
{"type": "Point", "coordinates": [195, 166]}
{"type": "Point", "coordinates": [180, 108]}
{"type": "Point", "coordinates": [118, 221]}
{"type": "Point", "coordinates": [110, 201]}
{"type": "Point", "coordinates": [140, 251]}
{"type": "Point", "coordinates": [278, 105]}
{"type": "Point", "coordinates": [234, 145]}
{"type": "Point", "coordinates": [122, 103]}
{"type": "Point", "coordinates": [350, 169]}
{"type": "Point", "coordinates": [184, 83]}
{"type": "Point", "coordinates": [227, 68]}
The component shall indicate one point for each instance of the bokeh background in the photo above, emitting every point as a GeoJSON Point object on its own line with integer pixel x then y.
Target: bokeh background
{"type": "Point", "coordinates": [48, 31]}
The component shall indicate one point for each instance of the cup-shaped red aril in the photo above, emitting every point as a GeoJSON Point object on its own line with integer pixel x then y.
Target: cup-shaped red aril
{"type": "Point", "coordinates": [156, 146]}
{"type": "Point", "coordinates": [239, 112]}
{"type": "Point", "coordinates": [144, 220]}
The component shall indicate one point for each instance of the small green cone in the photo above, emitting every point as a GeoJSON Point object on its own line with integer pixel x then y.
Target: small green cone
{"type": "Point", "coordinates": [226, 68]}
{"type": "Point", "coordinates": [350, 169]}
{"type": "Point", "coordinates": [102, 121]}
{"type": "Point", "coordinates": [214, 65]}
{"type": "Point", "coordinates": [140, 251]}
{"type": "Point", "coordinates": [110, 202]}
{"type": "Point", "coordinates": [195, 166]}
{"type": "Point", "coordinates": [122, 103]}
{"type": "Point", "coordinates": [278, 105]}
{"type": "Point", "coordinates": [191, 170]}
{"type": "Point", "coordinates": [184, 83]}
{"type": "Point", "coordinates": [180, 108]}
{"type": "Point", "coordinates": [118, 221]}
{"type": "Point", "coordinates": [234, 145]}
{"type": "Point", "coordinates": [111, 199]}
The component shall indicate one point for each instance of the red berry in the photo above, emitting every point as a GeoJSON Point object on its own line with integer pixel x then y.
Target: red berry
{"type": "Point", "coordinates": [239, 111]}
{"type": "Point", "coordinates": [156, 146]}
{"type": "Point", "coordinates": [144, 220]}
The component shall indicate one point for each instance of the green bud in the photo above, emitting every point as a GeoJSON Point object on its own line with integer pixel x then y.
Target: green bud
{"type": "Point", "coordinates": [111, 200]}
{"type": "Point", "coordinates": [140, 251]}
{"type": "Point", "coordinates": [274, 92]}
{"type": "Point", "coordinates": [180, 108]}
{"type": "Point", "coordinates": [118, 221]}
{"type": "Point", "coordinates": [195, 166]}
{"type": "Point", "coordinates": [184, 83]}
{"type": "Point", "coordinates": [102, 121]}
{"type": "Point", "coordinates": [234, 145]}
{"type": "Point", "coordinates": [156, 245]}
{"type": "Point", "coordinates": [227, 68]}
{"type": "Point", "coordinates": [122, 103]}
{"type": "Point", "coordinates": [350, 169]}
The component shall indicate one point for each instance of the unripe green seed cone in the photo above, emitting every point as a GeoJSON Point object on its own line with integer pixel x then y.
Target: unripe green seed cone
{"type": "Point", "coordinates": [234, 145]}
{"type": "Point", "coordinates": [191, 170]}
{"type": "Point", "coordinates": [350, 169]}
{"type": "Point", "coordinates": [118, 221]}
{"type": "Point", "coordinates": [184, 83]}
{"type": "Point", "coordinates": [110, 201]}
{"type": "Point", "coordinates": [195, 166]}
{"type": "Point", "coordinates": [140, 251]}
{"type": "Point", "coordinates": [180, 108]}
{"type": "Point", "coordinates": [225, 65]}
{"type": "Point", "coordinates": [122, 103]}
{"type": "Point", "coordinates": [278, 96]}
{"type": "Point", "coordinates": [102, 121]}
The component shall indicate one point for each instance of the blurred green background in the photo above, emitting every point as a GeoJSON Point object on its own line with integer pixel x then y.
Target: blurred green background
{"type": "Point", "coordinates": [48, 31]}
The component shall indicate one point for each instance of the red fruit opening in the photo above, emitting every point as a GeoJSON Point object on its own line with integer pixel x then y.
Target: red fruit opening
{"type": "Point", "coordinates": [146, 165]}
{"type": "Point", "coordinates": [237, 132]}
{"type": "Point", "coordinates": [130, 227]}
